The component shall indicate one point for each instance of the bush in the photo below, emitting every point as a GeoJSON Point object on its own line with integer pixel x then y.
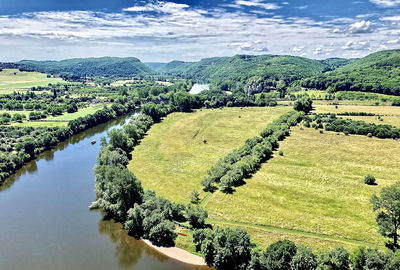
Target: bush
{"type": "Point", "coordinates": [370, 180]}
{"type": "Point", "coordinates": [163, 233]}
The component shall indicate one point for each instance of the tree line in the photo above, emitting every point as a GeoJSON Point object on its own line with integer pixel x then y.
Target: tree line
{"type": "Point", "coordinates": [349, 126]}
{"type": "Point", "coordinates": [121, 195]}
{"type": "Point", "coordinates": [231, 170]}
{"type": "Point", "coordinates": [21, 144]}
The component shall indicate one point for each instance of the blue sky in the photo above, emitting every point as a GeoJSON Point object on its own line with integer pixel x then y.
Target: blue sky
{"type": "Point", "coordinates": [191, 30]}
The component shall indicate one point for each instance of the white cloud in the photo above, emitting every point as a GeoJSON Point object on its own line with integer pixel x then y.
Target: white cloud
{"type": "Point", "coordinates": [318, 51]}
{"type": "Point", "coordinates": [298, 49]}
{"type": "Point", "coordinates": [361, 27]}
{"type": "Point", "coordinates": [385, 3]}
{"type": "Point", "coordinates": [257, 3]}
{"type": "Point", "coordinates": [302, 7]}
{"type": "Point", "coordinates": [357, 45]}
{"type": "Point", "coordinates": [391, 18]}
{"type": "Point", "coordinates": [180, 32]}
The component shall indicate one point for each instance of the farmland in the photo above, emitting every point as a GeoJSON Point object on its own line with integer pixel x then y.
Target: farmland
{"type": "Point", "coordinates": [315, 187]}
{"type": "Point", "coordinates": [314, 194]}
{"type": "Point", "coordinates": [176, 155]}
{"type": "Point", "coordinates": [13, 79]}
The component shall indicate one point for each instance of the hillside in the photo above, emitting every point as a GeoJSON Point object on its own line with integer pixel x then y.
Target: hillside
{"type": "Point", "coordinates": [253, 72]}
{"type": "Point", "coordinates": [104, 66]}
{"type": "Point", "coordinates": [378, 72]}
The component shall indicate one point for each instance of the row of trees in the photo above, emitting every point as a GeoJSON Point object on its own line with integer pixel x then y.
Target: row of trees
{"type": "Point", "coordinates": [349, 126]}
{"type": "Point", "coordinates": [226, 248]}
{"type": "Point", "coordinates": [21, 144]}
{"type": "Point", "coordinates": [231, 170]}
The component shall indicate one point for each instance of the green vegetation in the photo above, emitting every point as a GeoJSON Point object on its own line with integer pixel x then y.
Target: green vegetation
{"type": "Point", "coordinates": [231, 170]}
{"type": "Point", "coordinates": [377, 72]}
{"type": "Point", "coordinates": [318, 202]}
{"type": "Point", "coordinates": [13, 79]}
{"type": "Point", "coordinates": [246, 72]}
{"type": "Point", "coordinates": [82, 67]}
{"type": "Point", "coordinates": [179, 150]}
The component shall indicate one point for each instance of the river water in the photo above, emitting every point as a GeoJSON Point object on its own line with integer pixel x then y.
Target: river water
{"type": "Point", "coordinates": [198, 88]}
{"type": "Point", "coordinates": [45, 222]}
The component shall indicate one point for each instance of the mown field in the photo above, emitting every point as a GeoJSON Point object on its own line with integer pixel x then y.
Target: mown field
{"type": "Point", "coordinates": [173, 158]}
{"type": "Point", "coordinates": [11, 79]}
{"type": "Point", "coordinates": [314, 194]}
{"type": "Point", "coordinates": [385, 115]}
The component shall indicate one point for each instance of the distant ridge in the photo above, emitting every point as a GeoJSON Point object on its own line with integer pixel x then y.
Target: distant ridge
{"type": "Point", "coordinates": [103, 66]}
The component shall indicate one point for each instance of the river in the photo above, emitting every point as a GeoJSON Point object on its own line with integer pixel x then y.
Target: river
{"type": "Point", "coordinates": [198, 88]}
{"type": "Point", "coordinates": [45, 222]}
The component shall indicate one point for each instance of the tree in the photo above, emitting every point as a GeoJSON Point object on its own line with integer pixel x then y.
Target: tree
{"type": "Point", "coordinates": [279, 255]}
{"type": "Point", "coordinates": [227, 249]}
{"type": "Point", "coordinates": [304, 259]}
{"type": "Point", "coordinates": [303, 104]}
{"type": "Point", "coordinates": [196, 216]}
{"type": "Point", "coordinates": [163, 233]}
{"type": "Point", "coordinates": [388, 207]}
{"type": "Point", "coordinates": [118, 139]}
{"type": "Point", "coordinates": [337, 259]}
{"type": "Point", "coordinates": [134, 221]}
{"type": "Point", "coordinates": [194, 197]}
{"type": "Point", "coordinates": [370, 180]}
{"type": "Point", "coordinates": [358, 258]}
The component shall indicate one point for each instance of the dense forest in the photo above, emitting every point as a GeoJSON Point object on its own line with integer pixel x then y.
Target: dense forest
{"type": "Point", "coordinates": [378, 72]}
{"type": "Point", "coordinates": [94, 67]}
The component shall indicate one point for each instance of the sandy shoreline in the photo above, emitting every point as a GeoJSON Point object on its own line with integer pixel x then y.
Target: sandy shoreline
{"type": "Point", "coordinates": [178, 254]}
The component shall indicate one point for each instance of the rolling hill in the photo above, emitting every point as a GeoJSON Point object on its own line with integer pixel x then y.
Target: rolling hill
{"type": "Point", "coordinates": [104, 66]}
{"type": "Point", "coordinates": [378, 72]}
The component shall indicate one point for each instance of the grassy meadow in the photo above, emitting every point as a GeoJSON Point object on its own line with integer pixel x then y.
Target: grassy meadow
{"type": "Point", "coordinates": [314, 194]}
{"type": "Point", "coordinates": [172, 159]}
{"type": "Point", "coordinates": [13, 79]}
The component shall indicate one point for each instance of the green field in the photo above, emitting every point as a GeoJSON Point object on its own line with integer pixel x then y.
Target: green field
{"type": "Point", "coordinates": [382, 110]}
{"type": "Point", "coordinates": [13, 79]}
{"type": "Point", "coordinates": [314, 194]}
{"type": "Point", "coordinates": [61, 120]}
{"type": "Point", "coordinates": [172, 159]}
{"type": "Point", "coordinates": [80, 113]}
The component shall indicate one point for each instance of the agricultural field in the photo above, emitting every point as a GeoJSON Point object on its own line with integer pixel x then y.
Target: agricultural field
{"type": "Point", "coordinates": [80, 113]}
{"type": "Point", "coordinates": [173, 158]}
{"type": "Point", "coordinates": [314, 194]}
{"type": "Point", "coordinates": [381, 110]}
{"type": "Point", "coordinates": [13, 79]}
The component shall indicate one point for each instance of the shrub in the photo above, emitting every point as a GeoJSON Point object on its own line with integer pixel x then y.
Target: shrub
{"type": "Point", "coordinates": [370, 180]}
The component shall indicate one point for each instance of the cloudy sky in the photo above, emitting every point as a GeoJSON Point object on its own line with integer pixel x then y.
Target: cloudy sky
{"type": "Point", "coordinates": [190, 30]}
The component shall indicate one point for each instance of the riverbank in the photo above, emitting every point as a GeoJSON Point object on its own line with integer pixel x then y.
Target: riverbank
{"type": "Point", "coordinates": [178, 254]}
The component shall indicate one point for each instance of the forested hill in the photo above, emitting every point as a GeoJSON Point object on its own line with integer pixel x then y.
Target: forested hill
{"type": "Point", "coordinates": [378, 72]}
{"type": "Point", "coordinates": [104, 66]}
{"type": "Point", "coordinates": [250, 72]}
